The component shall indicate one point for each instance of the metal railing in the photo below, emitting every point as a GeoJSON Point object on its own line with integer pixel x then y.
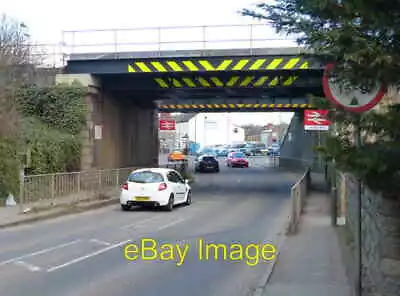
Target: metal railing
{"type": "Point", "coordinates": [299, 193]}
{"type": "Point", "coordinates": [249, 36]}
{"type": "Point", "coordinates": [96, 44]}
{"type": "Point", "coordinates": [65, 188]}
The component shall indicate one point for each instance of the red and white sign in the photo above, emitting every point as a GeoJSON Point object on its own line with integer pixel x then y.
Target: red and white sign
{"type": "Point", "coordinates": [165, 116]}
{"type": "Point", "coordinates": [353, 100]}
{"type": "Point", "coordinates": [316, 120]}
{"type": "Point", "coordinates": [167, 125]}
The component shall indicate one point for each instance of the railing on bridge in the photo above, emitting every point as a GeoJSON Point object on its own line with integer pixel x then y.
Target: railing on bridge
{"type": "Point", "coordinates": [103, 42]}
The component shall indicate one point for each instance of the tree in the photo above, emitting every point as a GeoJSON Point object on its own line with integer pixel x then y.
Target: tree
{"type": "Point", "coordinates": [252, 130]}
{"type": "Point", "coordinates": [362, 39]}
{"type": "Point", "coordinates": [15, 56]}
{"type": "Point", "coordinates": [14, 43]}
{"type": "Point", "coordinates": [360, 36]}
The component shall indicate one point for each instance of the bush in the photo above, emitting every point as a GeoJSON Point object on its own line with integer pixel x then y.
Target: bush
{"type": "Point", "coordinates": [60, 106]}
{"type": "Point", "coordinates": [51, 150]}
{"type": "Point", "coordinates": [9, 170]}
{"type": "Point", "coordinates": [377, 161]}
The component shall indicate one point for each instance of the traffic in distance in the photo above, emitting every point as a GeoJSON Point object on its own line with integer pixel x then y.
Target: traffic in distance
{"type": "Point", "coordinates": [247, 148]}
{"type": "Point", "coordinates": [166, 187]}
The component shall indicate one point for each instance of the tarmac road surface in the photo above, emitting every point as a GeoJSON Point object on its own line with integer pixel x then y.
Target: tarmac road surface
{"type": "Point", "coordinates": [84, 254]}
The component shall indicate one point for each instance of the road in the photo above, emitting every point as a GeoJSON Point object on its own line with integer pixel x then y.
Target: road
{"type": "Point", "coordinates": [83, 254]}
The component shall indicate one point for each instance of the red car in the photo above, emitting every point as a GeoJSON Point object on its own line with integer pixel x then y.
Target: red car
{"type": "Point", "coordinates": [237, 159]}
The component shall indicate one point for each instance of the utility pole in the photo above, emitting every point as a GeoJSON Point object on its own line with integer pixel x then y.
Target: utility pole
{"type": "Point", "coordinates": [358, 144]}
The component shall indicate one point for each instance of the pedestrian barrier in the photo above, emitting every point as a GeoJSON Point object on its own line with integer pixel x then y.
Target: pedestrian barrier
{"type": "Point", "coordinates": [64, 188]}
{"type": "Point", "coordinates": [299, 193]}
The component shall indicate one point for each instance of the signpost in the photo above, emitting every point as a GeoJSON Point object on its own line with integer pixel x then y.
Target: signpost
{"type": "Point", "coordinates": [353, 100]}
{"type": "Point", "coordinates": [316, 120]}
{"type": "Point", "coordinates": [167, 125]}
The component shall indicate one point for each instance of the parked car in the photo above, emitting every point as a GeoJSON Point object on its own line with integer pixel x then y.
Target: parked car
{"type": "Point", "coordinates": [274, 149]}
{"type": "Point", "coordinates": [176, 156]}
{"type": "Point", "coordinates": [223, 152]}
{"type": "Point", "coordinates": [206, 163]}
{"type": "Point", "coordinates": [156, 187]}
{"type": "Point", "coordinates": [237, 159]}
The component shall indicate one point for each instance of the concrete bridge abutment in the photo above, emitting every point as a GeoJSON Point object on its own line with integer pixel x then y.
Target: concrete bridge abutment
{"type": "Point", "coordinates": [118, 132]}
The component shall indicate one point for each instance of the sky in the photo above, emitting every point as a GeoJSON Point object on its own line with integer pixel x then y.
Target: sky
{"type": "Point", "coordinates": [47, 20]}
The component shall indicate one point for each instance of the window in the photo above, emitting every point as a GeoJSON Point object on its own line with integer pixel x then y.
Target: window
{"type": "Point", "coordinates": [178, 177]}
{"type": "Point", "coordinates": [145, 177]}
{"type": "Point", "coordinates": [172, 178]}
{"type": "Point", "coordinates": [208, 158]}
{"type": "Point", "coordinates": [175, 177]}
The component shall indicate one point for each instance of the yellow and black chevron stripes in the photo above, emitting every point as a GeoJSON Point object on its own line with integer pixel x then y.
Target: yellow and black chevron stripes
{"type": "Point", "coordinates": [232, 106]}
{"type": "Point", "coordinates": [235, 81]}
{"type": "Point", "coordinates": [218, 64]}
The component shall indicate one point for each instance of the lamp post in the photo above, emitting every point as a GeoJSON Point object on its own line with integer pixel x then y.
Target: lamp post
{"type": "Point", "coordinates": [185, 139]}
{"type": "Point", "coordinates": [204, 130]}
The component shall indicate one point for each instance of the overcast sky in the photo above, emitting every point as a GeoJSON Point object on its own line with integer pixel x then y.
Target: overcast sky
{"type": "Point", "coordinates": [47, 19]}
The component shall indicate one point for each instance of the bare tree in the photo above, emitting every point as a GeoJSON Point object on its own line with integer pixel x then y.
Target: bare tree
{"type": "Point", "coordinates": [14, 43]}
{"type": "Point", "coordinates": [15, 64]}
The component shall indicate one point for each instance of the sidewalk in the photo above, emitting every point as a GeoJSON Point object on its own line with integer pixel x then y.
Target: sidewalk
{"type": "Point", "coordinates": [310, 262]}
{"type": "Point", "coordinates": [12, 216]}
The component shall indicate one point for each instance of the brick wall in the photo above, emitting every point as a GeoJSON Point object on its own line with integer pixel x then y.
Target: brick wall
{"type": "Point", "coordinates": [380, 236]}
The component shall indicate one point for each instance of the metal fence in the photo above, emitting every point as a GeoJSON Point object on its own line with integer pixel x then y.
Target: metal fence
{"type": "Point", "coordinates": [61, 188]}
{"type": "Point", "coordinates": [99, 43]}
{"type": "Point", "coordinates": [299, 193]}
{"type": "Point", "coordinates": [65, 188]}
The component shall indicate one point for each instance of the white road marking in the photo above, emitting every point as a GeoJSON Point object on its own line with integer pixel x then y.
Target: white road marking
{"type": "Point", "coordinates": [82, 258]}
{"type": "Point", "coordinates": [40, 252]}
{"type": "Point", "coordinates": [100, 242]}
{"type": "Point", "coordinates": [138, 223]}
{"type": "Point", "coordinates": [30, 267]}
{"type": "Point", "coordinates": [171, 224]}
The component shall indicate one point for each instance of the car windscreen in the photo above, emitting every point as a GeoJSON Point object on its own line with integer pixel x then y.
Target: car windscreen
{"type": "Point", "coordinates": [238, 146]}
{"type": "Point", "coordinates": [145, 177]}
{"type": "Point", "coordinates": [238, 155]}
{"type": "Point", "coordinates": [207, 158]}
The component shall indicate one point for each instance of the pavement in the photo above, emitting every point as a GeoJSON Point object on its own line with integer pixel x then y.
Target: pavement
{"type": "Point", "coordinates": [83, 254]}
{"type": "Point", "coordinates": [310, 263]}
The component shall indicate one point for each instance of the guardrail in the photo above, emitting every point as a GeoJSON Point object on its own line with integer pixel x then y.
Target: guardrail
{"type": "Point", "coordinates": [95, 44]}
{"type": "Point", "coordinates": [236, 36]}
{"type": "Point", "coordinates": [63, 188]}
{"type": "Point", "coordinates": [299, 193]}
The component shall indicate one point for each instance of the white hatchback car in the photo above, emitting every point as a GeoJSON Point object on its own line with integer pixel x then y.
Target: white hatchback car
{"type": "Point", "coordinates": [155, 187]}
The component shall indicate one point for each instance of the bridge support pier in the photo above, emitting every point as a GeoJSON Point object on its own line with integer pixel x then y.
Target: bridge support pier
{"type": "Point", "coordinates": [298, 143]}
{"type": "Point", "coordinates": [118, 132]}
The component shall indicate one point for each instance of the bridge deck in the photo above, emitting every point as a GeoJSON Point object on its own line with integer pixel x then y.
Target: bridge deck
{"type": "Point", "coordinates": [273, 51]}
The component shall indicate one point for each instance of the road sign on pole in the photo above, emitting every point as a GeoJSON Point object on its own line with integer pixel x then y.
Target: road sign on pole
{"type": "Point", "coordinates": [353, 99]}
{"type": "Point", "coordinates": [316, 120]}
{"type": "Point", "coordinates": [167, 125]}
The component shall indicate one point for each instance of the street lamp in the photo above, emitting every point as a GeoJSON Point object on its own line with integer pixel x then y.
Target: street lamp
{"type": "Point", "coordinates": [186, 143]}
{"type": "Point", "coordinates": [204, 130]}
